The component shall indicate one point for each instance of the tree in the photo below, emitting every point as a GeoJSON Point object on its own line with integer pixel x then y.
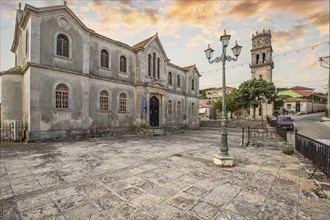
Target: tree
{"type": "Point", "coordinates": [254, 92]}
{"type": "Point", "coordinates": [231, 105]}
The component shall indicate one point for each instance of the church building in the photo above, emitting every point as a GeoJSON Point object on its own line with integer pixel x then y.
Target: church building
{"type": "Point", "coordinates": [70, 81]}
{"type": "Point", "coordinates": [262, 65]}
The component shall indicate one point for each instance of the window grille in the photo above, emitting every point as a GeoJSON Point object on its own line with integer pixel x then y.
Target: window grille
{"type": "Point", "coordinates": [62, 96]}
{"type": "Point", "coordinates": [122, 102]}
{"type": "Point", "coordinates": [104, 101]}
{"type": "Point", "coordinates": [104, 58]}
{"type": "Point", "coordinates": [62, 45]}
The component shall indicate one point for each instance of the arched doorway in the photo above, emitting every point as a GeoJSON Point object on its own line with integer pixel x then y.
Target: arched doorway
{"type": "Point", "coordinates": [154, 111]}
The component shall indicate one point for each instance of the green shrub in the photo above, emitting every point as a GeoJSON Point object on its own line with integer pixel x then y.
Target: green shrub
{"type": "Point", "coordinates": [288, 150]}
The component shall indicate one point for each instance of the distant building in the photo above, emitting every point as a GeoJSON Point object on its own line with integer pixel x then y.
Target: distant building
{"type": "Point", "coordinates": [299, 99]}
{"type": "Point", "coordinates": [216, 93]}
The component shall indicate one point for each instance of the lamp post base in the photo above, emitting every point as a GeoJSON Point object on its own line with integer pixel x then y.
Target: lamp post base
{"type": "Point", "coordinates": [224, 161]}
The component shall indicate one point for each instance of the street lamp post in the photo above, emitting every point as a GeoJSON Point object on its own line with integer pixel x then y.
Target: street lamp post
{"type": "Point", "coordinates": [223, 159]}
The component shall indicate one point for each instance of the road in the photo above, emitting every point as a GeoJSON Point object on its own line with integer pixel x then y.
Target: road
{"type": "Point", "coordinates": [310, 126]}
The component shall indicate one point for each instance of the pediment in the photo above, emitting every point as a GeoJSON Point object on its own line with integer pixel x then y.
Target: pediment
{"type": "Point", "coordinates": [157, 84]}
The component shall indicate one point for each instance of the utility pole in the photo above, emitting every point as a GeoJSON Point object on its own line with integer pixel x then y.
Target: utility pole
{"type": "Point", "coordinates": [325, 63]}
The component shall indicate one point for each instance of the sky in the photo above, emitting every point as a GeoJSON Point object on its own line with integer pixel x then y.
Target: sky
{"type": "Point", "coordinates": [299, 28]}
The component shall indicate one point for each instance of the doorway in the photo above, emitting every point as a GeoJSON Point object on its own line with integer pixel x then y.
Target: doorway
{"type": "Point", "coordinates": [154, 111]}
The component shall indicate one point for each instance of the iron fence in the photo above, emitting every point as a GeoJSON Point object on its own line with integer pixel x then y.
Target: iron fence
{"type": "Point", "coordinates": [266, 136]}
{"type": "Point", "coordinates": [11, 132]}
{"type": "Point", "coordinates": [317, 152]}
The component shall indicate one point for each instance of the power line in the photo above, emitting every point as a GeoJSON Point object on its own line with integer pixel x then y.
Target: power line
{"type": "Point", "coordinates": [229, 68]}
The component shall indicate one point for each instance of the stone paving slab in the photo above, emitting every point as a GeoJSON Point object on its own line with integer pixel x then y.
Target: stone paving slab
{"type": "Point", "coordinates": [162, 177]}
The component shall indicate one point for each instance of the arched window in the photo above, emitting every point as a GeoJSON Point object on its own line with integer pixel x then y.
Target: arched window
{"type": "Point", "coordinates": [123, 102]}
{"type": "Point", "coordinates": [178, 81]}
{"type": "Point", "coordinates": [27, 42]}
{"type": "Point", "coordinates": [149, 65]}
{"type": "Point", "coordinates": [257, 59]}
{"type": "Point", "coordinates": [169, 107]}
{"type": "Point", "coordinates": [123, 64]}
{"type": "Point", "coordinates": [178, 107]}
{"type": "Point", "coordinates": [170, 78]}
{"type": "Point", "coordinates": [104, 101]}
{"type": "Point", "coordinates": [263, 58]}
{"type": "Point", "coordinates": [158, 67]}
{"type": "Point", "coordinates": [193, 84]}
{"type": "Point", "coordinates": [62, 96]}
{"type": "Point", "coordinates": [154, 65]}
{"type": "Point", "coordinates": [62, 45]}
{"type": "Point", "coordinates": [104, 58]}
{"type": "Point", "coordinates": [193, 108]}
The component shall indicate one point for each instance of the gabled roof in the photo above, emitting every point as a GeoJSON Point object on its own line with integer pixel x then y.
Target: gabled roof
{"type": "Point", "coordinates": [143, 43]}
{"type": "Point", "coordinates": [24, 14]}
{"type": "Point", "coordinates": [301, 88]}
{"type": "Point", "coordinates": [303, 92]}
{"type": "Point", "coordinates": [290, 93]}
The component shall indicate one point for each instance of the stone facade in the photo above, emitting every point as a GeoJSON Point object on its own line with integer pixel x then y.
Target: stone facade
{"type": "Point", "coordinates": [29, 90]}
{"type": "Point", "coordinates": [262, 64]}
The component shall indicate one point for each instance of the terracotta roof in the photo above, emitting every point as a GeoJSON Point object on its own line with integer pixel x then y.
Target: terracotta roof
{"type": "Point", "coordinates": [301, 88]}
{"type": "Point", "coordinates": [142, 43]}
{"type": "Point", "coordinates": [303, 92]}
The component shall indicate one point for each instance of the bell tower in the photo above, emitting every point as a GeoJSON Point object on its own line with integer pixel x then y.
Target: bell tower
{"type": "Point", "coordinates": [261, 56]}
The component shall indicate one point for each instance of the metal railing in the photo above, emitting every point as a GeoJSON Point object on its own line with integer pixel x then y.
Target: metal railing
{"type": "Point", "coordinates": [317, 152]}
{"type": "Point", "coordinates": [11, 132]}
{"type": "Point", "coordinates": [255, 135]}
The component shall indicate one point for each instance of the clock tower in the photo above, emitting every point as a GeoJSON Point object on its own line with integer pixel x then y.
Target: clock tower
{"type": "Point", "coordinates": [261, 56]}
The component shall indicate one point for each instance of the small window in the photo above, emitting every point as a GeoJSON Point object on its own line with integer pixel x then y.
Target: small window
{"type": "Point", "coordinates": [193, 109]}
{"type": "Point", "coordinates": [257, 59]}
{"type": "Point", "coordinates": [158, 67]}
{"type": "Point", "coordinates": [62, 96]}
{"type": "Point", "coordinates": [122, 102]}
{"type": "Point", "coordinates": [104, 58]}
{"type": "Point", "coordinates": [178, 81]}
{"type": "Point", "coordinates": [193, 84]}
{"type": "Point", "coordinates": [154, 65]}
{"type": "Point", "coordinates": [149, 65]}
{"type": "Point", "coordinates": [169, 107]}
{"type": "Point", "coordinates": [104, 101]}
{"type": "Point", "coordinates": [170, 78]}
{"type": "Point", "coordinates": [27, 42]}
{"type": "Point", "coordinates": [178, 107]}
{"type": "Point", "coordinates": [62, 45]}
{"type": "Point", "coordinates": [288, 106]}
{"type": "Point", "coordinates": [123, 64]}
{"type": "Point", "coordinates": [263, 58]}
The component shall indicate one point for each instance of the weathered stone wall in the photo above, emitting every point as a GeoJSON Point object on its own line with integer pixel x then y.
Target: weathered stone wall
{"type": "Point", "coordinates": [11, 97]}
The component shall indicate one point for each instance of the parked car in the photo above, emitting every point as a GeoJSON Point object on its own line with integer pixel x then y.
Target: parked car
{"type": "Point", "coordinates": [285, 121]}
